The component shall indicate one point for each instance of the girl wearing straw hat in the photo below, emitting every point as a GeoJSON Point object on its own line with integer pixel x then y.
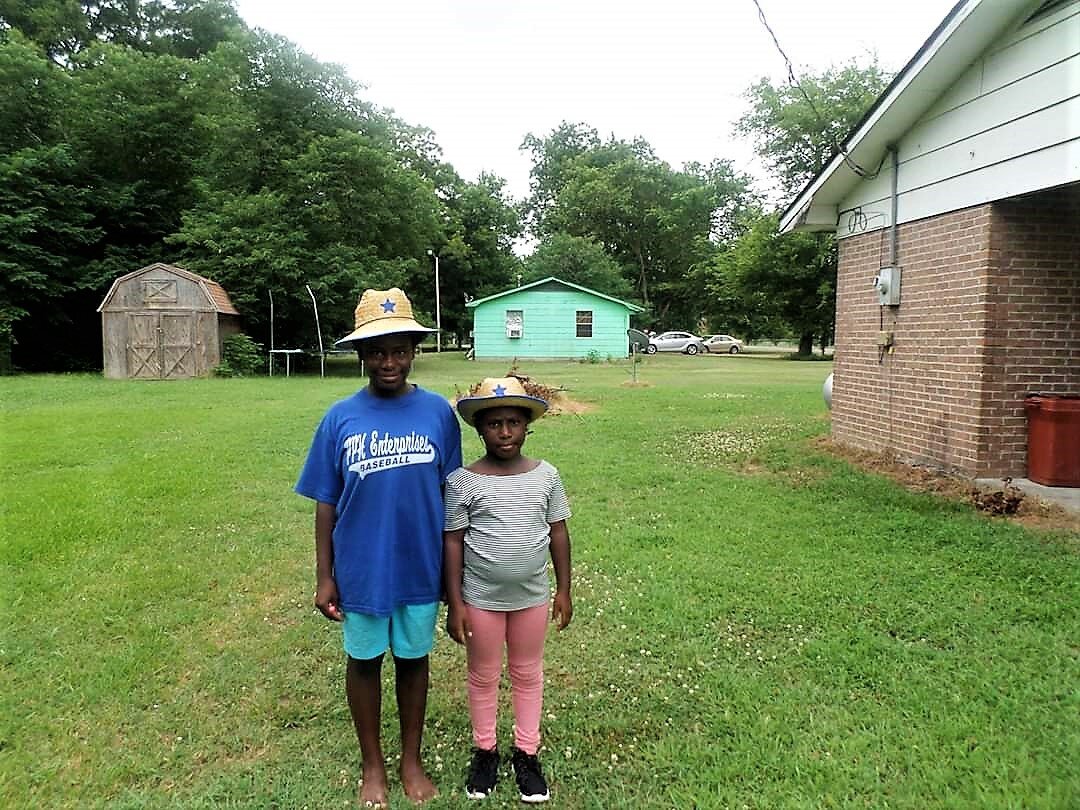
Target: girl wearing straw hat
{"type": "Point", "coordinates": [504, 514]}
{"type": "Point", "coordinates": [376, 469]}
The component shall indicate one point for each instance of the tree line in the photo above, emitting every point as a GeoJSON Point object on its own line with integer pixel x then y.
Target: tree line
{"type": "Point", "coordinates": [135, 131]}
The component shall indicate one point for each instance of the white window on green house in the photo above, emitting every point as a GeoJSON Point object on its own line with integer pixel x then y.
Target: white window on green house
{"type": "Point", "coordinates": [584, 323]}
{"type": "Point", "coordinates": [515, 323]}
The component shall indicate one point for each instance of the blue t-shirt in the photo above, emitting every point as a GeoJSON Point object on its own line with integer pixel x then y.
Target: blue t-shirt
{"type": "Point", "coordinates": [381, 463]}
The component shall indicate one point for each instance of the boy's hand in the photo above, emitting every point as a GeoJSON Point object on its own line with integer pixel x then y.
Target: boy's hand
{"type": "Point", "coordinates": [326, 600]}
{"type": "Point", "coordinates": [562, 610]}
{"type": "Point", "coordinates": [457, 624]}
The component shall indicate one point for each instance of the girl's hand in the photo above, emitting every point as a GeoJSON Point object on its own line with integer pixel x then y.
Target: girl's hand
{"type": "Point", "coordinates": [457, 623]}
{"type": "Point", "coordinates": [326, 600]}
{"type": "Point", "coordinates": [562, 610]}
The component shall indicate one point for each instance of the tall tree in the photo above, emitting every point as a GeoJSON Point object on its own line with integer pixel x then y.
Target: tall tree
{"type": "Point", "coordinates": [59, 27]}
{"type": "Point", "coordinates": [797, 129]}
{"type": "Point", "coordinates": [193, 28]}
{"type": "Point", "coordinates": [45, 205]}
{"type": "Point", "coordinates": [766, 283]}
{"type": "Point", "coordinates": [477, 257]}
{"type": "Point", "coordinates": [187, 28]}
{"type": "Point", "coordinates": [556, 157]}
{"type": "Point", "coordinates": [133, 132]}
{"type": "Point", "coordinates": [552, 157]}
{"type": "Point", "coordinates": [35, 95]}
{"type": "Point", "coordinates": [579, 260]}
{"type": "Point", "coordinates": [344, 216]}
{"type": "Point", "coordinates": [655, 222]}
{"type": "Point", "coordinates": [270, 101]}
{"type": "Point", "coordinates": [45, 224]}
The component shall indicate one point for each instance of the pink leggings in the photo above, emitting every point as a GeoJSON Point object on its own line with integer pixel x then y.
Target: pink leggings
{"type": "Point", "coordinates": [522, 631]}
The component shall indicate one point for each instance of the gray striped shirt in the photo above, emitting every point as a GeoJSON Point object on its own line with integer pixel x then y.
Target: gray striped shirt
{"type": "Point", "coordinates": [506, 520]}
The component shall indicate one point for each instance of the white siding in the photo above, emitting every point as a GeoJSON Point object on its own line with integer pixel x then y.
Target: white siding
{"type": "Point", "coordinates": [1009, 125]}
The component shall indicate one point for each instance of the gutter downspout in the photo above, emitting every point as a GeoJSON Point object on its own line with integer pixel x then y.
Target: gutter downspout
{"type": "Point", "coordinates": [894, 235]}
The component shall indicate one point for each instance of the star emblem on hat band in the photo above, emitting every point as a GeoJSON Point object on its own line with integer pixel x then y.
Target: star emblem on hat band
{"type": "Point", "coordinates": [500, 391]}
{"type": "Point", "coordinates": [388, 305]}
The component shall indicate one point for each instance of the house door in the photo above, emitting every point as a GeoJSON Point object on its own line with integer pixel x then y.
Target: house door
{"type": "Point", "coordinates": [161, 345]}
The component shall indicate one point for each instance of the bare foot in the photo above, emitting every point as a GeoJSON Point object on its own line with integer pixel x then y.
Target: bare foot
{"type": "Point", "coordinates": [373, 791]}
{"type": "Point", "coordinates": [417, 784]}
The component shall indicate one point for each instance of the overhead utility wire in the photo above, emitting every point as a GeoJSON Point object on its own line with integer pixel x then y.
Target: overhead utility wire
{"type": "Point", "coordinates": [855, 167]}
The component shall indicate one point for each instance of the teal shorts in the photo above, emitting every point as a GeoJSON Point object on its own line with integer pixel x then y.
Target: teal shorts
{"type": "Point", "coordinates": [409, 632]}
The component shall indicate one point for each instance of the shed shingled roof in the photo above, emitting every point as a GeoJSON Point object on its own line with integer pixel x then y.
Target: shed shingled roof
{"type": "Point", "coordinates": [215, 293]}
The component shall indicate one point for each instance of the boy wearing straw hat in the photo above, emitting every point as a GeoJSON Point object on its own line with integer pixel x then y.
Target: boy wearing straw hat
{"type": "Point", "coordinates": [505, 513]}
{"type": "Point", "coordinates": [376, 469]}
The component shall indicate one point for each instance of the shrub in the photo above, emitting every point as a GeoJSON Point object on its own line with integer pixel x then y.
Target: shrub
{"type": "Point", "coordinates": [240, 357]}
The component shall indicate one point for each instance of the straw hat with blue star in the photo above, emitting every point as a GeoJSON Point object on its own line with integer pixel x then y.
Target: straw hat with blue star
{"type": "Point", "coordinates": [382, 312]}
{"type": "Point", "coordinates": [500, 392]}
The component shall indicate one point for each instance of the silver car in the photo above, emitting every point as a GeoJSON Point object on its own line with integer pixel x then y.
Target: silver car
{"type": "Point", "coordinates": [675, 342]}
{"type": "Point", "coordinates": [722, 343]}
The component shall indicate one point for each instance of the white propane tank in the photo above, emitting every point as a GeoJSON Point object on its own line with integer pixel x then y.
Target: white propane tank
{"type": "Point", "coordinates": [826, 391]}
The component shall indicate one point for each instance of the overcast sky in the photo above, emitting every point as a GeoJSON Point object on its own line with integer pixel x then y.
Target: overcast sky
{"type": "Point", "coordinates": [484, 73]}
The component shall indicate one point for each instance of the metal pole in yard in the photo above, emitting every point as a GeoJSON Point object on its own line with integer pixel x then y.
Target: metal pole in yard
{"type": "Point", "coordinates": [271, 362]}
{"type": "Point", "coordinates": [318, 329]}
{"type": "Point", "coordinates": [438, 304]}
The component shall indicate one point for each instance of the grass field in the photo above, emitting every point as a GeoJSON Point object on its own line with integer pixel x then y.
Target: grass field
{"type": "Point", "coordinates": [757, 624]}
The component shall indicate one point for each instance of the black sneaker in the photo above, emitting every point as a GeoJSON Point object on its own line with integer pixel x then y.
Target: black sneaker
{"type": "Point", "coordinates": [483, 773]}
{"type": "Point", "coordinates": [530, 781]}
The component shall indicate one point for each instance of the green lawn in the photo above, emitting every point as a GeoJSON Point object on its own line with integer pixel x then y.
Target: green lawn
{"type": "Point", "coordinates": [757, 625]}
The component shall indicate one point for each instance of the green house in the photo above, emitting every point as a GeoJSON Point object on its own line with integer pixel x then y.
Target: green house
{"type": "Point", "coordinates": [550, 318]}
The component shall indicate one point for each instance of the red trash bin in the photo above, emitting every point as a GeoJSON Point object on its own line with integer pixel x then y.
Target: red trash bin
{"type": "Point", "coordinates": [1053, 439]}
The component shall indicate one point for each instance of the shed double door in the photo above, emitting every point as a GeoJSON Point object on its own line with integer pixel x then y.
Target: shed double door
{"type": "Point", "coordinates": [161, 345]}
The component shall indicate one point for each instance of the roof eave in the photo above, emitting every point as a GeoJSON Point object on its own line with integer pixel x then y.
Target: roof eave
{"type": "Point", "coordinates": [627, 304]}
{"type": "Point", "coordinates": [957, 41]}
{"type": "Point", "coordinates": [812, 217]}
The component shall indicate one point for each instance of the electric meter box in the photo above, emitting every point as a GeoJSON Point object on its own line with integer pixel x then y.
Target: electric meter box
{"type": "Point", "coordinates": [887, 284]}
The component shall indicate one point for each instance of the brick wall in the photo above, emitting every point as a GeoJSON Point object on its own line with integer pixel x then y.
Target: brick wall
{"type": "Point", "coordinates": [1035, 244]}
{"type": "Point", "coordinates": [990, 309]}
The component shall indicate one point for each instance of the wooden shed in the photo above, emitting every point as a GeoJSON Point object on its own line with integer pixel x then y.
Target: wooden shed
{"type": "Point", "coordinates": [164, 323]}
{"type": "Point", "coordinates": [550, 318]}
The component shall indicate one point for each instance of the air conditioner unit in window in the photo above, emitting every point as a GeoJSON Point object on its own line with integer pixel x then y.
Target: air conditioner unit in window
{"type": "Point", "coordinates": [513, 331]}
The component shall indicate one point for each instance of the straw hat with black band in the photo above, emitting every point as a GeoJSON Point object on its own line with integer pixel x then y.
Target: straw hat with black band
{"type": "Point", "coordinates": [382, 312]}
{"type": "Point", "coordinates": [500, 392]}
